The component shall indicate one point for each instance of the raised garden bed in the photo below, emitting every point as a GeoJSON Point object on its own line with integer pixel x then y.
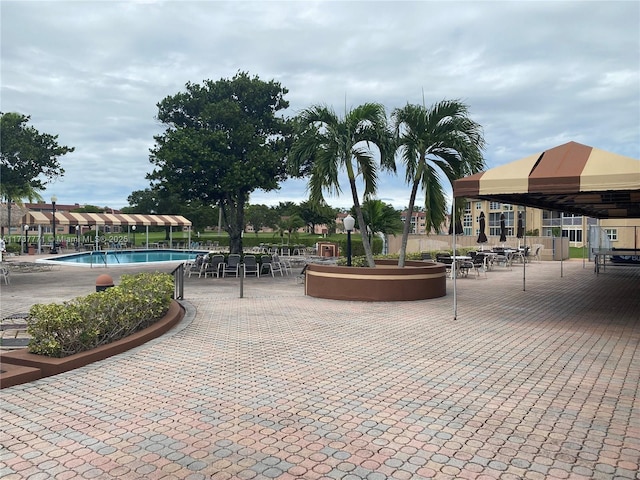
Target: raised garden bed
{"type": "Point", "coordinates": [20, 366]}
{"type": "Point", "coordinates": [385, 283]}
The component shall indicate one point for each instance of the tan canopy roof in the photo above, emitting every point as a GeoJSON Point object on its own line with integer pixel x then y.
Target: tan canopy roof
{"type": "Point", "coordinates": [572, 178]}
{"type": "Point", "coordinates": [67, 218]}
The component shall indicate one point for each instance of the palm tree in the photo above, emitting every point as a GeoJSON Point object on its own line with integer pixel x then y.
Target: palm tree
{"type": "Point", "coordinates": [291, 224]}
{"type": "Point", "coordinates": [433, 141]}
{"type": "Point", "coordinates": [16, 193]}
{"type": "Point", "coordinates": [381, 218]}
{"type": "Point", "coordinates": [328, 145]}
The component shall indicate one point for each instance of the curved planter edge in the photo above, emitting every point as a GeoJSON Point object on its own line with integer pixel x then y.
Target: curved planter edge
{"type": "Point", "coordinates": [389, 283]}
{"type": "Point", "coordinates": [20, 366]}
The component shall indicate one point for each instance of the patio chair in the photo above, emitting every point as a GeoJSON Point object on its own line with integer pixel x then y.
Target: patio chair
{"type": "Point", "coordinates": [250, 266]}
{"type": "Point", "coordinates": [270, 266]}
{"type": "Point", "coordinates": [285, 264]}
{"type": "Point", "coordinates": [480, 263]}
{"type": "Point", "coordinates": [195, 266]}
{"type": "Point", "coordinates": [4, 271]}
{"type": "Point", "coordinates": [446, 259]}
{"type": "Point", "coordinates": [214, 264]}
{"type": "Point", "coordinates": [232, 265]}
{"type": "Point", "coordinates": [536, 254]}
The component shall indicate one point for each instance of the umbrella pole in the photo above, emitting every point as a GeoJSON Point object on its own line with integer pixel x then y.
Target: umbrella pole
{"type": "Point", "coordinates": [524, 257]}
{"type": "Point", "coordinates": [453, 266]}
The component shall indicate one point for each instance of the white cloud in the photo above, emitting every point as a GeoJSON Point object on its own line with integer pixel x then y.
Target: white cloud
{"type": "Point", "coordinates": [535, 74]}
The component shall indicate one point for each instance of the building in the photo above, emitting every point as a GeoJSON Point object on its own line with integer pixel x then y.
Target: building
{"type": "Point", "coordinates": [544, 223]}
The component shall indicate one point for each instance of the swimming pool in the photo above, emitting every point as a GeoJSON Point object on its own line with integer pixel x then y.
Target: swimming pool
{"type": "Point", "coordinates": [114, 258]}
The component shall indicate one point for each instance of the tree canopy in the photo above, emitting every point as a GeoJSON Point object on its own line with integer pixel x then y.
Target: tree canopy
{"type": "Point", "coordinates": [328, 145]}
{"type": "Point", "coordinates": [441, 139]}
{"type": "Point", "coordinates": [223, 141]}
{"type": "Point", "coordinates": [28, 158]}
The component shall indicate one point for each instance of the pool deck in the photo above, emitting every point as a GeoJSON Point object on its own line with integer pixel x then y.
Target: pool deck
{"type": "Point", "coordinates": [535, 384]}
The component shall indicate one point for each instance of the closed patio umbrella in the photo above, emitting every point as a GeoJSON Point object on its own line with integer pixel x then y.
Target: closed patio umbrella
{"type": "Point", "coordinates": [503, 228]}
{"type": "Point", "coordinates": [520, 232]}
{"type": "Point", "coordinates": [520, 229]}
{"type": "Point", "coordinates": [482, 236]}
{"type": "Point", "coordinates": [459, 229]}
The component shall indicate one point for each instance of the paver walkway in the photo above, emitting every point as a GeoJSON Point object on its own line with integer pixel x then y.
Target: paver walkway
{"type": "Point", "coordinates": [527, 385]}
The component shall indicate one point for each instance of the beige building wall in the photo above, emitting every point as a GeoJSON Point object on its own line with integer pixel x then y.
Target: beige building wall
{"type": "Point", "coordinates": [540, 225]}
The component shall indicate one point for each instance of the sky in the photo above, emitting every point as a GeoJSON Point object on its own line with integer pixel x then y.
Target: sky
{"type": "Point", "coordinates": [535, 74]}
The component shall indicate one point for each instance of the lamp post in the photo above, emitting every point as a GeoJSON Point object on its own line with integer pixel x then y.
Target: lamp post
{"type": "Point", "coordinates": [26, 241]}
{"type": "Point", "coordinates": [349, 222]}
{"type": "Point", "coordinates": [133, 228]}
{"type": "Point", "coordinates": [78, 233]}
{"type": "Point", "coordinates": [54, 199]}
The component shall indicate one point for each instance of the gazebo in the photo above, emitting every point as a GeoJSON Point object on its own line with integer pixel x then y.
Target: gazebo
{"type": "Point", "coordinates": [106, 219]}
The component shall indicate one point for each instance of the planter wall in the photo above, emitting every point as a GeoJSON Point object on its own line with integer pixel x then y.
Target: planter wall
{"type": "Point", "coordinates": [385, 283]}
{"type": "Point", "coordinates": [20, 366]}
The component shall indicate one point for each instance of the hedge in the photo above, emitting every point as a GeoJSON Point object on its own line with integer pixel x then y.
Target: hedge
{"type": "Point", "coordinates": [60, 330]}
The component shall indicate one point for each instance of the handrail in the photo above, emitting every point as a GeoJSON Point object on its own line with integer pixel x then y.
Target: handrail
{"type": "Point", "coordinates": [178, 282]}
{"type": "Point", "coordinates": [104, 260]}
{"type": "Point", "coordinates": [115, 255]}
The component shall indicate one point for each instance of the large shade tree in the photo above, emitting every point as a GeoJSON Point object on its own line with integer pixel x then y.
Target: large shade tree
{"type": "Point", "coordinates": [28, 159]}
{"type": "Point", "coordinates": [223, 141]}
{"type": "Point", "coordinates": [433, 142]}
{"type": "Point", "coordinates": [329, 145]}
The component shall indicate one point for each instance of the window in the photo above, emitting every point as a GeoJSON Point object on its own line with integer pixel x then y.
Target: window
{"type": "Point", "coordinates": [495, 206]}
{"type": "Point", "coordinates": [507, 207]}
{"type": "Point", "coordinates": [612, 233]}
{"type": "Point", "coordinates": [574, 235]}
{"type": "Point", "coordinates": [478, 205]}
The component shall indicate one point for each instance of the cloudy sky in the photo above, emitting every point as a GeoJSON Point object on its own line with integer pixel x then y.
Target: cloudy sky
{"type": "Point", "coordinates": [535, 74]}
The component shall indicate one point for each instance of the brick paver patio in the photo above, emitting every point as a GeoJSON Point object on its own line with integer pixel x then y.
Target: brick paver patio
{"type": "Point", "coordinates": [523, 385]}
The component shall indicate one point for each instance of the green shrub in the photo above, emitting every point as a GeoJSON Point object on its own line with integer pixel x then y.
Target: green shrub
{"type": "Point", "coordinates": [60, 330]}
{"type": "Point", "coordinates": [13, 248]}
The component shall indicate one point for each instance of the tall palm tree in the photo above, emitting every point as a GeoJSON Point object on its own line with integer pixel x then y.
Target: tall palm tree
{"type": "Point", "coordinates": [329, 145]}
{"type": "Point", "coordinates": [435, 141]}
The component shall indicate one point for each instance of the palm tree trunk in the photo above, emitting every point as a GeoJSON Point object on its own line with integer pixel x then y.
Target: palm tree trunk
{"type": "Point", "coordinates": [363, 227]}
{"type": "Point", "coordinates": [407, 225]}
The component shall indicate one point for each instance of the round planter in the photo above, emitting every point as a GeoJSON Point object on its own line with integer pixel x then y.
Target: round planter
{"type": "Point", "coordinates": [385, 283]}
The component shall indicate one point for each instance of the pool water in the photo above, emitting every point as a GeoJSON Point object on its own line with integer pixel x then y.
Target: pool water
{"type": "Point", "coordinates": [123, 257]}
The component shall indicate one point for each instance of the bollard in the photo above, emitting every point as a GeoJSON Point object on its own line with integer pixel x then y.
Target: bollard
{"type": "Point", "coordinates": [241, 273]}
{"type": "Point", "coordinates": [103, 282]}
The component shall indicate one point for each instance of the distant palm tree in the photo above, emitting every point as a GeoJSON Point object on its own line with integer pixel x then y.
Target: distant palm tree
{"type": "Point", "coordinates": [291, 224]}
{"type": "Point", "coordinates": [381, 218]}
{"type": "Point", "coordinates": [16, 193]}
{"type": "Point", "coordinates": [328, 145]}
{"type": "Point", "coordinates": [432, 141]}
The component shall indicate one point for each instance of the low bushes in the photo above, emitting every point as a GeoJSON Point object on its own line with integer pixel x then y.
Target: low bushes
{"type": "Point", "coordinates": [60, 330]}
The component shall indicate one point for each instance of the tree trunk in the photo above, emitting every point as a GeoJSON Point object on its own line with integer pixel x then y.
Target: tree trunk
{"type": "Point", "coordinates": [407, 225]}
{"type": "Point", "coordinates": [412, 201]}
{"type": "Point", "coordinates": [9, 217]}
{"type": "Point", "coordinates": [233, 213]}
{"type": "Point", "coordinates": [361, 224]}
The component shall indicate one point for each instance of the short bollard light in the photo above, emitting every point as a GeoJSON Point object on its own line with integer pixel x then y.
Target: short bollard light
{"type": "Point", "coordinates": [103, 282]}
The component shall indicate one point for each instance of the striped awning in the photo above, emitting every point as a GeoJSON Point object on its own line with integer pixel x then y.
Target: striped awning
{"type": "Point", "coordinates": [68, 218]}
{"type": "Point", "coordinates": [571, 178]}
